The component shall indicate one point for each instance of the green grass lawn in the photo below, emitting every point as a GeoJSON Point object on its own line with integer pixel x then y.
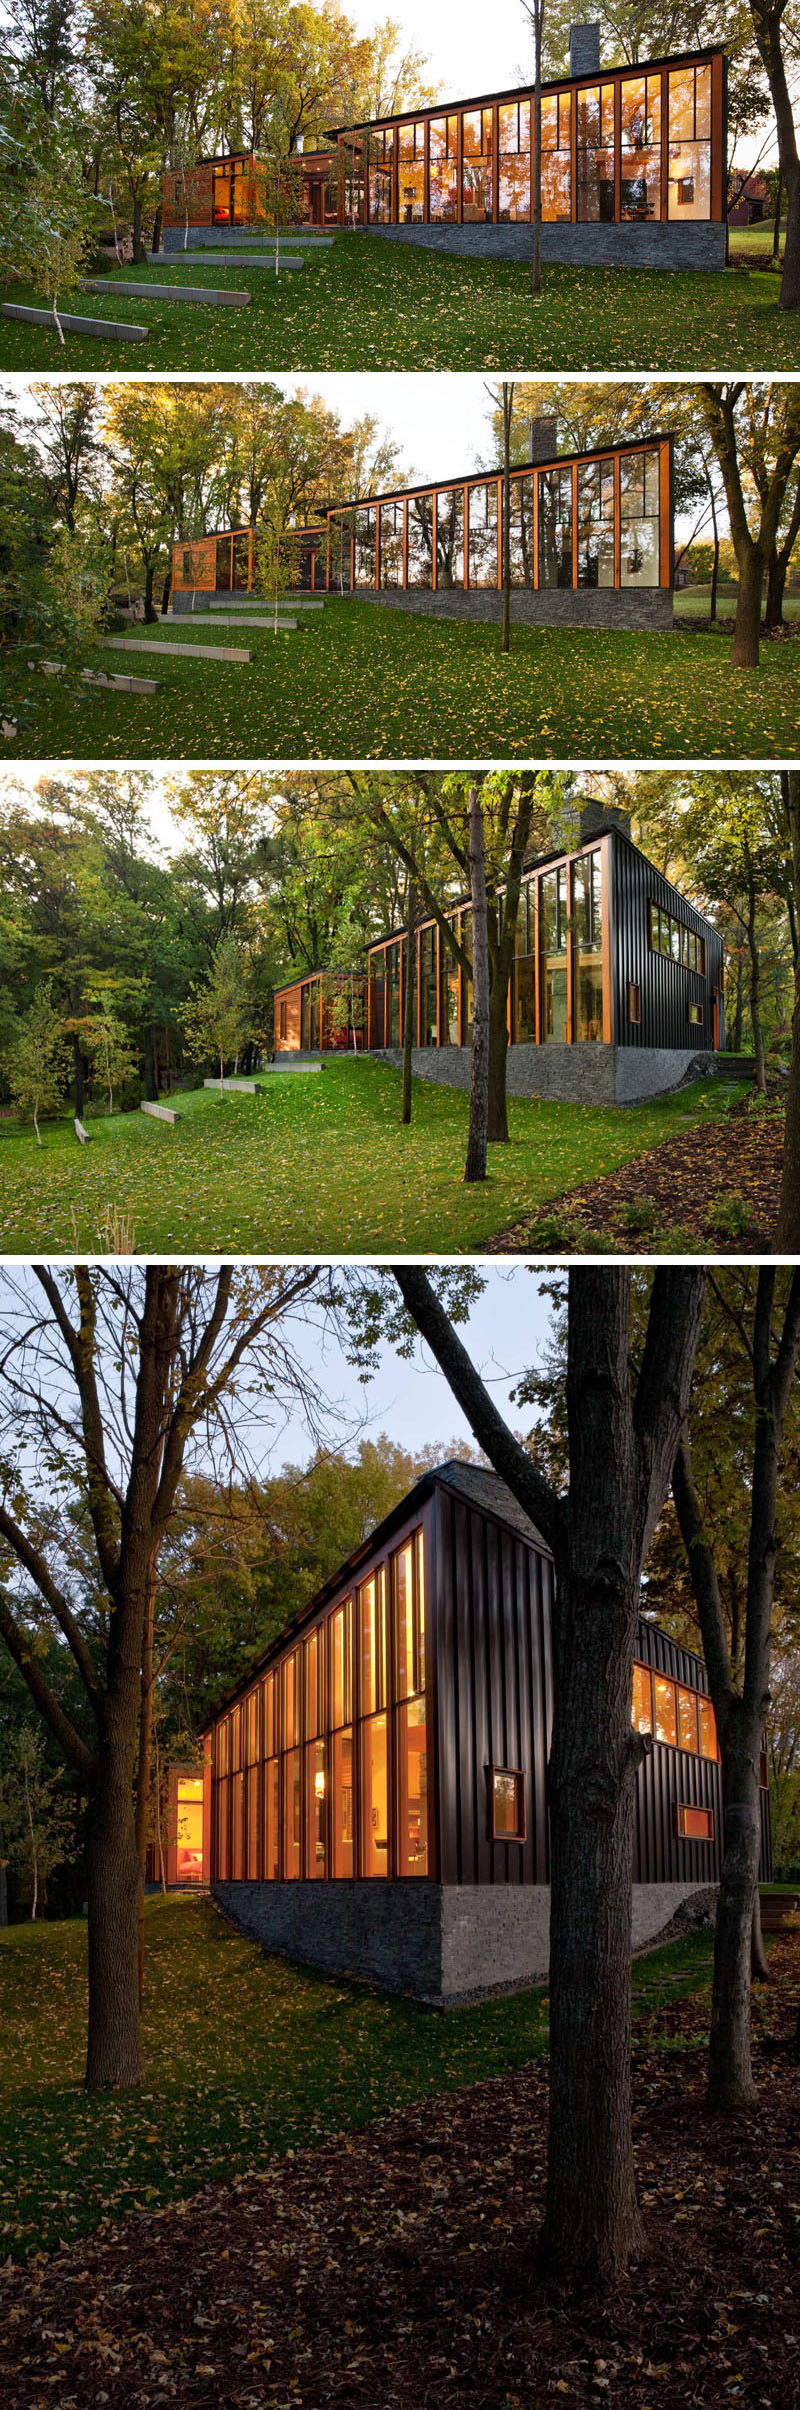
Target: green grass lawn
{"type": "Point", "coordinates": [362, 682]}
{"type": "Point", "coordinates": [246, 2058]}
{"type": "Point", "coordinates": [315, 1166]}
{"type": "Point", "coordinates": [367, 304]}
{"type": "Point", "coordinates": [693, 602]}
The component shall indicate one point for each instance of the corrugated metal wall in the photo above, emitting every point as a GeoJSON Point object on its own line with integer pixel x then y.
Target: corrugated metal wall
{"type": "Point", "coordinates": [492, 1681]}
{"type": "Point", "coordinates": [666, 986]}
{"type": "Point", "coordinates": [494, 1691]}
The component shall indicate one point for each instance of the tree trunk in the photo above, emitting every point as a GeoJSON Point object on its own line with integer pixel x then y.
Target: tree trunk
{"type": "Point", "coordinates": [144, 1766]}
{"type": "Point", "coordinates": [409, 1000]}
{"type": "Point", "coordinates": [787, 1233]}
{"type": "Point", "coordinates": [739, 1013]}
{"type": "Point", "coordinates": [149, 577]}
{"type": "Point", "coordinates": [475, 1167]}
{"type": "Point", "coordinates": [748, 609]}
{"type": "Point", "coordinates": [790, 280]}
{"type": "Point", "coordinates": [755, 986]}
{"type": "Point", "coordinates": [166, 594]}
{"type": "Point", "coordinates": [730, 2075]}
{"type": "Point", "coordinates": [712, 608]}
{"type": "Point", "coordinates": [758, 1956]}
{"type": "Point", "coordinates": [114, 2056]}
{"type": "Point", "coordinates": [776, 231]}
{"type": "Point", "coordinates": [78, 1077]}
{"type": "Point", "coordinates": [508, 404]}
{"type": "Point", "coordinates": [536, 266]}
{"type": "Point", "coordinates": [497, 1122]}
{"type": "Point", "coordinates": [138, 248]}
{"type": "Point", "coordinates": [157, 225]}
{"type": "Point", "coordinates": [3, 1891]}
{"type": "Point", "coordinates": [776, 585]}
{"type": "Point", "coordinates": [592, 2223]}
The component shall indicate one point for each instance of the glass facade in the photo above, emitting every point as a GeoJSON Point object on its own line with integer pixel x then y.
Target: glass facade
{"type": "Point", "coordinates": [626, 144]}
{"type": "Point", "coordinates": [586, 520]}
{"type": "Point", "coordinates": [322, 1770]}
{"type": "Point", "coordinates": [559, 977]}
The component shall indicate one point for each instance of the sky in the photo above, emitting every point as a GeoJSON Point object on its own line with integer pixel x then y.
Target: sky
{"type": "Point", "coordinates": [469, 49]}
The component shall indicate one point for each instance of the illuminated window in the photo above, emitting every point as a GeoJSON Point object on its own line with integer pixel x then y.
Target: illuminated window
{"type": "Point", "coordinates": [290, 1699]}
{"type": "Point", "coordinates": [237, 1834]}
{"type": "Point", "coordinates": [315, 1685]}
{"type": "Point", "coordinates": [687, 1720]}
{"type": "Point", "coordinates": [341, 1629]}
{"type": "Point", "coordinates": [291, 1814]}
{"type": "Point", "coordinates": [708, 1728]}
{"type": "Point", "coordinates": [316, 1811]}
{"type": "Point", "coordinates": [342, 1828]}
{"type": "Point", "coordinates": [634, 1002]}
{"type": "Point", "coordinates": [272, 1863]}
{"type": "Point", "coordinates": [642, 1712]}
{"type": "Point", "coordinates": [694, 1823]}
{"type": "Point", "coordinates": [189, 1851]}
{"type": "Point", "coordinates": [666, 1712]}
{"type": "Point", "coordinates": [412, 1788]}
{"type": "Point", "coordinates": [375, 1787]}
{"type": "Point", "coordinates": [506, 1804]}
{"type": "Point", "coordinates": [372, 1642]}
{"type": "Point", "coordinates": [252, 1824]}
{"type": "Point", "coordinates": [282, 1030]}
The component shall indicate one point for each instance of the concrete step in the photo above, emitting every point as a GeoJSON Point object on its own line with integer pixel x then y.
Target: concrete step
{"type": "Point", "coordinates": [160, 1112]}
{"type": "Point", "coordinates": [257, 602]}
{"type": "Point", "coordinates": [210, 293]}
{"type": "Point", "coordinates": [227, 259]}
{"type": "Point", "coordinates": [234, 1087]}
{"type": "Point", "coordinates": [120, 330]}
{"type": "Point", "coordinates": [252, 619]}
{"type": "Point", "coordinates": [186, 652]}
{"type": "Point", "coordinates": [210, 238]}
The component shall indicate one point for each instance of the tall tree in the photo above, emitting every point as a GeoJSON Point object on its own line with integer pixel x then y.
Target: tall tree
{"type": "Point", "coordinates": [771, 1334]}
{"type": "Point", "coordinates": [115, 1379]}
{"type": "Point", "coordinates": [623, 1429]}
{"type": "Point", "coordinates": [787, 1233]}
{"type": "Point", "coordinates": [769, 19]}
{"type": "Point", "coordinates": [475, 1167]}
{"type": "Point", "coordinates": [755, 431]}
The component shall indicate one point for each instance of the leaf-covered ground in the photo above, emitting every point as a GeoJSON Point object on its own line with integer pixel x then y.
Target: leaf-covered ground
{"type": "Point", "coordinates": [364, 683]}
{"type": "Point", "coordinates": [246, 2057]}
{"type": "Point", "coordinates": [394, 2269]}
{"type": "Point", "coordinates": [715, 1187]}
{"type": "Point", "coordinates": [367, 304]}
{"type": "Point", "coordinates": [317, 1166]}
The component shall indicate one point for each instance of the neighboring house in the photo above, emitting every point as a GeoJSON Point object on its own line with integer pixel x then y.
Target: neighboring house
{"type": "Point", "coordinates": [591, 537]}
{"type": "Point", "coordinates": [633, 165]}
{"type": "Point", "coordinates": [616, 988]}
{"type": "Point", "coordinates": [379, 1780]}
{"type": "Point", "coordinates": [179, 1852]}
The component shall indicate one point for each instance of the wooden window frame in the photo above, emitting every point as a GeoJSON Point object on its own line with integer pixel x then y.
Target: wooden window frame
{"type": "Point", "coordinates": [696, 1015]}
{"type": "Point", "coordinates": [634, 1004]}
{"type": "Point", "coordinates": [518, 1775]}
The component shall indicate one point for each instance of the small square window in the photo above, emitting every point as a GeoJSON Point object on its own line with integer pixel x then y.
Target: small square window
{"type": "Point", "coordinates": [694, 1823]}
{"type": "Point", "coordinates": [634, 1002]}
{"type": "Point", "coordinates": [695, 1014]}
{"type": "Point", "coordinates": [506, 1803]}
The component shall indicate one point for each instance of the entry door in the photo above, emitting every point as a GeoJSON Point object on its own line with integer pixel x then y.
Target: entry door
{"type": "Point", "coordinates": [222, 196]}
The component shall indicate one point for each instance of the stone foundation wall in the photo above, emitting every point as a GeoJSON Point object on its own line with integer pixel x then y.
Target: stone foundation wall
{"type": "Point", "coordinates": [443, 1944]}
{"type": "Point", "coordinates": [584, 1074]}
{"type": "Point", "coordinates": [555, 606]}
{"type": "Point", "coordinates": [693, 246]}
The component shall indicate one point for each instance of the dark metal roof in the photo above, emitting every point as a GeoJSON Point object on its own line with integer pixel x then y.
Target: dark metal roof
{"type": "Point", "coordinates": [558, 83]}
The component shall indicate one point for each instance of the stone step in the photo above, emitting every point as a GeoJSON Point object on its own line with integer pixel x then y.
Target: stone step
{"type": "Point", "coordinates": [210, 293]}
{"type": "Point", "coordinates": [119, 329]}
{"type": "Point", "coordinates": [187, 652]}
{"type": "Point", "coordinates": [119, 683]}
{"type": "Point", "coordinates": [160, 1112]}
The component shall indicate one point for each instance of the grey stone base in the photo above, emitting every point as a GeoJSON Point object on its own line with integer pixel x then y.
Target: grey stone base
{"type": "Point", "coordinates": [696, 245]}
{"type": "Point", "coordinates": [443, 1944]}
{"type": "Point", "coordinates": [583, 1074]}
{"type": "Point", "coordinates": [114, 329]}
{"type": "Point", "coordinates": [648, 607]}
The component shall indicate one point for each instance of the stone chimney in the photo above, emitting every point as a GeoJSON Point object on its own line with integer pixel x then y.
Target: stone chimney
{"type": "Point", "coordinates": [584, 49]}
{"type": "Point", "coordinates": [544, 437]}
{"type": "Point", "coordinates": [595, 816]}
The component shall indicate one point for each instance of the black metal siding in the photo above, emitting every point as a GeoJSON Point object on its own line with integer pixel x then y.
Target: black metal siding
{"type": "Point", "coordinates": [492, 1684]}
{"type": "Point", "coordinates": [666, 986]}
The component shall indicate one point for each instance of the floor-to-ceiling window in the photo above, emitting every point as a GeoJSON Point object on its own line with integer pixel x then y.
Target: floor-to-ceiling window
{"type": "Point", "coordinates": [555, 527]}
{"type": "Point", "coordinates": [689, 142]}
{"type": "Point", "coordinates": [391, 555]}
{"type": "Point", "coordinates": [450, 536]}
{"type": "Point", "coordinates": [553, 944]}
{"type": "Point", "coordinates": [588, 945]}
{"type": "Point", "coordinates": [411, 1746]}
{"type": "Point", "coordinates": [595, 152]}
{"type": "Point", "coordinates": [596, 523]}
{"type": "Point", "coordinates": [514, 167]}
{"type": "Point", "coordinates": [482, 506]}
{"type": "Point", "coordinates": [640, 136]}
{"type": "Point", "coordinates": [639, 518]}
{"type": "Point", "coordinates": [476, 168]}
{"type": "Point", "coordinates": [411, 172]}
{"type": "Point", "coordinates": [443, 169]}
{"type": "Point", "coordinates": [556, 156]}
{"type": "Point", "coordinates": [420, 540]}
{"type": "Point", "coordinates": [521, 544]}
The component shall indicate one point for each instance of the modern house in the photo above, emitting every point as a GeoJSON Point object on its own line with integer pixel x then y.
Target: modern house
{"type": "Point", "coordinates": [324, 1012]}
{"type": "Point", "coordinates": [379, 1781]}
{"type": "Point", "coordinates": [236, 191]}
{"type": "Point", "coordinates": [179, 1852]}
{"type": "Point", "coordinates": [616, 991]}
{"type": "Point", "coordinates": [633, 166]}
{"type": "Point", "coordinates": [591, 540]}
